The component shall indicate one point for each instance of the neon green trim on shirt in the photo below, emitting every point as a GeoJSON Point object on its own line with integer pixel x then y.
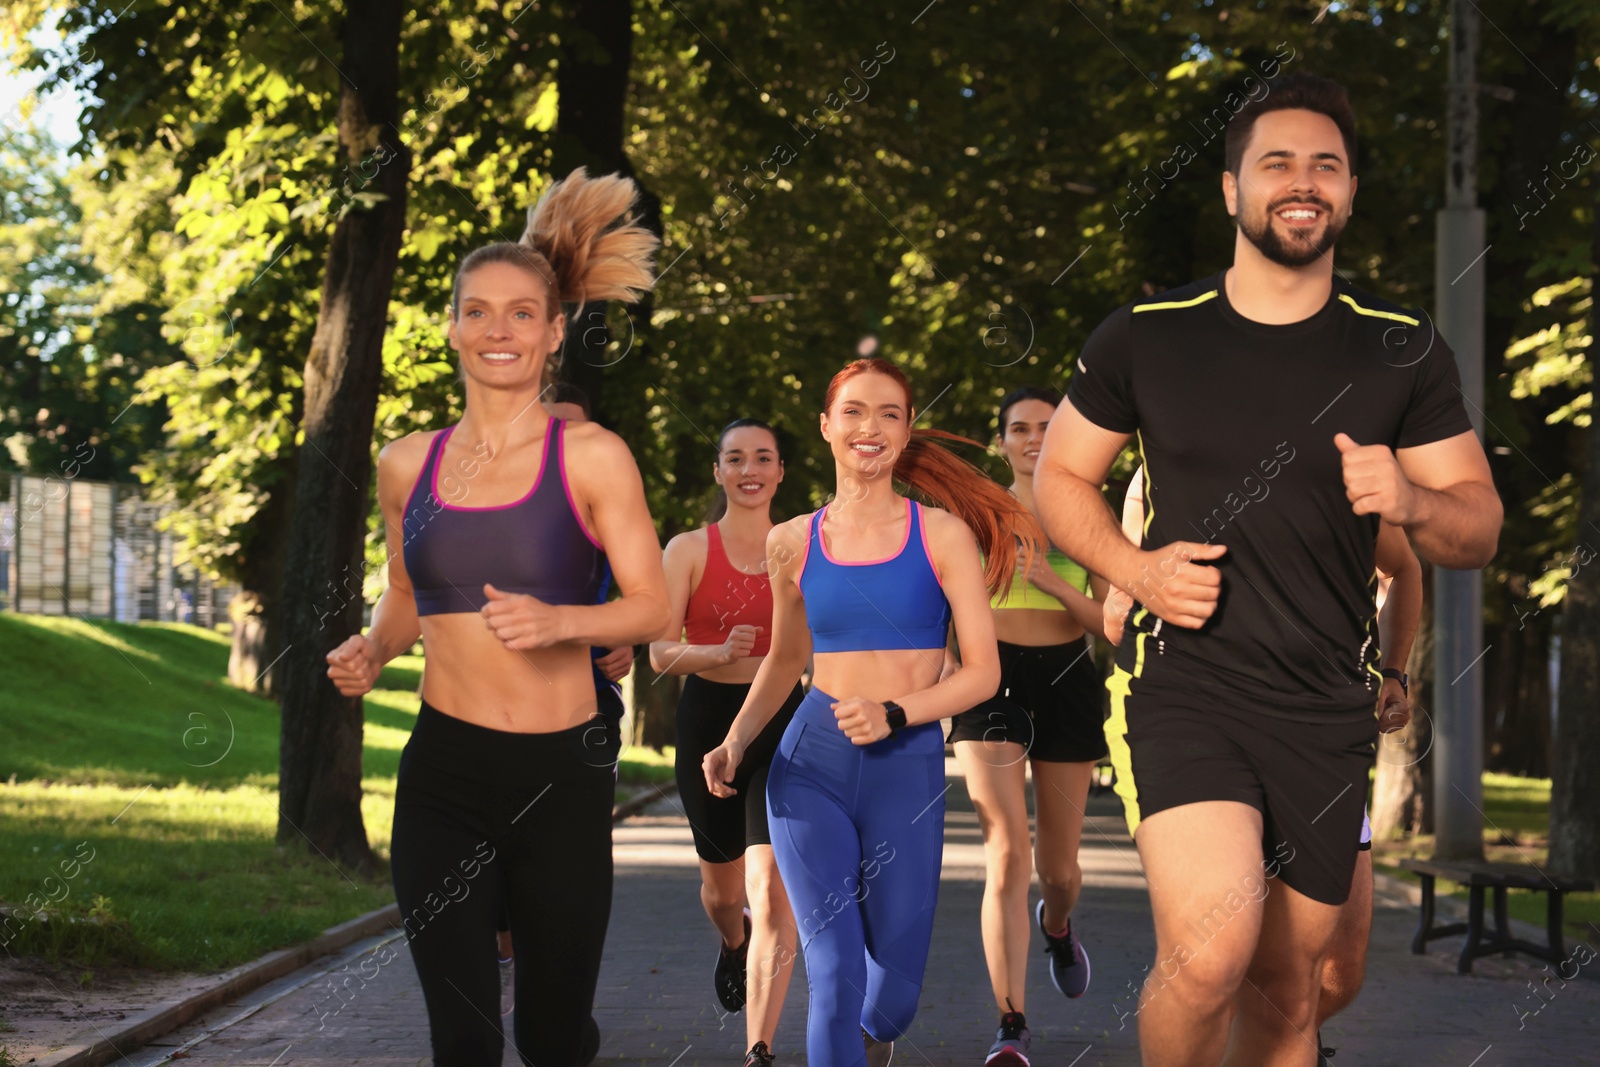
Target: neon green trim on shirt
{"type": "Point", "coordinates": [1376, 314]}
{"type": "Point", "coordinates": [1172, 305]}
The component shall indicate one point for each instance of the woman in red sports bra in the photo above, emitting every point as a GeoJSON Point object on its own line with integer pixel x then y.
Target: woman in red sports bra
{"type": "Point", "coordinates": [722, 604]}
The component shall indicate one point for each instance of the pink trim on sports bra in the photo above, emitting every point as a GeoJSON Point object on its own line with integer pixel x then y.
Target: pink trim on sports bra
{"type": "Point", "coordinates": [823, 541]}
{"type": "Point", "coordinates": [926, 551]}
{"type": "Point", "coordinates": [805, 554]}
{"type": "Point", "coordinates": [566, 487]}
{"type": "Point", "coordinates": [427, 462]}
{"type": "Point", "coordinates": [544, 460]}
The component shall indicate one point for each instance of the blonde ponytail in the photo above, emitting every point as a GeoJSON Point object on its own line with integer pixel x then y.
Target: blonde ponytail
{"type": "Point", "coordinates": [584, 228]}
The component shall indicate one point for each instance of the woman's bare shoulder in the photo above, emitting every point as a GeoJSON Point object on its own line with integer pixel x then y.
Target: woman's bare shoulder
{"type": "Point", "coordinates": [786, 541]}
{"type": "Point", "coordinates": [403, 458]}
{"type": "Point", "coordinates": [691, 544]}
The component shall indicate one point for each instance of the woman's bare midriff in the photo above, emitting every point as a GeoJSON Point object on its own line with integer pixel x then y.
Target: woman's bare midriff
{"type": "Point", "coordinates": [470, 675]}
{"type": "Point", "coordinates": [1035, 627]}
{"type": "Point", "coordinates": [880, 675]}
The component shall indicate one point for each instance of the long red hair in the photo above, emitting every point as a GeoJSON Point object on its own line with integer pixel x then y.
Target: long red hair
{"type": "Point", "coordinates": [998, 520]}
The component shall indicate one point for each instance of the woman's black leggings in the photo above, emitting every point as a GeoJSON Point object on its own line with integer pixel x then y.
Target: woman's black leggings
{"type": "Point", "coordinates": [485, 820]}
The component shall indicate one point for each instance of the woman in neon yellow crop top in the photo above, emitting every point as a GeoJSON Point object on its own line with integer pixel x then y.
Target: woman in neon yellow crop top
{"type": "Point", "coordinates": [1047, 711]}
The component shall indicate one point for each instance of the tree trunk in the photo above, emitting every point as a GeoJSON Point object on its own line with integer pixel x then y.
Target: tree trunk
{"type": "Point", "coordinates": [1516, 712]}
{"type": "Point", "coordinates": [591, 94]}
{"type": "Point", "coordinates": [1402, 793]}
{"type": "Point", "coordinates": [655, 706]}
{"type": "Point", "coordinates": [320, 755]}
{"type": "Point", "coordinates": [1526, 127]}
{"type": "Point", "coordinates": [257, 640]}
{"type": "Point", "coordinates": [1575, 781]}
{"type": "Point", "coordinates": [256, 613]}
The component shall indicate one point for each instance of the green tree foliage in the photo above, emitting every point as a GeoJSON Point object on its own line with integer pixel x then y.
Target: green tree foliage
{"type": "Point", "coordinates": [68, 372]}
{"type": "Point", "coordinates": [824, 174]}
{"type": "Point", "coordinates": [977, 211]}
{"type": "Point", "coordinates": [970, 200]}
{"type": "Point", "coordinates": [220, 186]}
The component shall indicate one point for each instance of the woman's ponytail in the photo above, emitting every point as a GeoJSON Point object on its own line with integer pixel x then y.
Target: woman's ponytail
{"type": "Point", "coordinates": [1002, 525]}
{"type": "Point", "coordinates": [581, 241]}
{"type": "Point", "coordinates": [584, 228]}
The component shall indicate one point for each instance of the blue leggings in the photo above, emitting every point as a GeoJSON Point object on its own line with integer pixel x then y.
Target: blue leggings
{"type": "Point", "coordinates": [858, 834]}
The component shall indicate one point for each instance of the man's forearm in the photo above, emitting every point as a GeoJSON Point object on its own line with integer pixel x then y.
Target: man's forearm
{"type": "Point", "coordinates": [1076, 517]}
{"type": "Point", "coordinates": [1397, 623]}
{"type": "Point", "coordinates": [1458, 526]}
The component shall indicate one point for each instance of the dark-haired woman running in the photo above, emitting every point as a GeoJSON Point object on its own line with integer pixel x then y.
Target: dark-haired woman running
{"type": "Point", "coordinates": [722, 605]}
{"type": "Point", "coordinates": [1047, 713]}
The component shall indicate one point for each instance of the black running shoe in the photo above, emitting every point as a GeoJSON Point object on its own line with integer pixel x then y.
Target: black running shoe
{"type": "Point", "coordinates": [1324, 1053]}
{"type": "Point", "coordinates": [1069, 963]}
{"type": "Point", "coordinates": [1010, 1048]}
{"type": "Point", "coordinates": [729, 975]}
{"type": "Point", "coordinates": [758, 1056]}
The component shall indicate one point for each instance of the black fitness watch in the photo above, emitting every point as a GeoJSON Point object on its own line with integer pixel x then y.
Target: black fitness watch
{"type": "Point", "coordinates": [895, 716]}
{"type": "Point", "coordinates": [1400, 676]}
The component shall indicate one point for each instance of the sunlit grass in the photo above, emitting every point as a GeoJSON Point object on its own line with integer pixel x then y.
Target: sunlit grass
{"type": "Point", "coordinates": [1516, 830]}
{"type": "Point", "coordinates": [639, 764]}
{"type": "Point", "coordinates": [192, 873]}
{"type": "Point", "coordinates": [125, 743]}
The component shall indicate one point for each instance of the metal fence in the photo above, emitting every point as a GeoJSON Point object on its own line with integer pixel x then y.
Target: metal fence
{"type": "Point", "coordinates": [71, 546]}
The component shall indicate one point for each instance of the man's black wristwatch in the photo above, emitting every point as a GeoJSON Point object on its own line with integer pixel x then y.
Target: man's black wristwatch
{"type": "Point", "coordinates": [1400, 676]}
{"type": "Point", "coordinates": [895, 716]}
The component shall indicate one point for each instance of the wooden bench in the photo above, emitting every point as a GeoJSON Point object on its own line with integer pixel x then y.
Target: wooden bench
{"type": "Point", "coordinates": [1478, 876]}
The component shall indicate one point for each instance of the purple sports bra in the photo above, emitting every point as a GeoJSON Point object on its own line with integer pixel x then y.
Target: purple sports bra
{"type": "Point", "coordinates": [536, 545]}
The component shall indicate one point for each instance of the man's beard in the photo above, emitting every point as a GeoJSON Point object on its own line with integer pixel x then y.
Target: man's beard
{"type": "Point", "coordinates": [1292, 253]}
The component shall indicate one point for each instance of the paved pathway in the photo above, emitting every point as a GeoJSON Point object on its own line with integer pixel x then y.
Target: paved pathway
{"type": "Point", "coordinates": [655, 1005]}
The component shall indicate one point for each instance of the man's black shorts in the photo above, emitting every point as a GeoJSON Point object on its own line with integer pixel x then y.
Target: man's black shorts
{"type": "Point", "coordinates": [1308, 780]}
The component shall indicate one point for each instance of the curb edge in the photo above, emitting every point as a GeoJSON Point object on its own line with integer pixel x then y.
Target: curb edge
{"type": "Point", "coordinates": [95, 1047]}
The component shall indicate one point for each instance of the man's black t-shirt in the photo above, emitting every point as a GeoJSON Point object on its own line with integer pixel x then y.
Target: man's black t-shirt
{"type": "Point", "coordinates": [1235, 422]}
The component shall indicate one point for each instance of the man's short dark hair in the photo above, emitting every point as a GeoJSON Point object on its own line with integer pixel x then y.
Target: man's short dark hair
{"type": "Point", "coordinates": [1297, 91]}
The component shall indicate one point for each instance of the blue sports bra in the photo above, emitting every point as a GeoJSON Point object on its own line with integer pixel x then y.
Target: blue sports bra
{"type": "Point", "coordinates": [890, 603]}
{"type": "Point", "coordinates": [535, 545]}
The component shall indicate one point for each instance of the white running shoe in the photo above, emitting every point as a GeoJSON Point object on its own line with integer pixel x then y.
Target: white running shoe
{"type": "Point", "coordinates": [879, 1053]}
{"type": "Point", "coordinates": [508, 986]}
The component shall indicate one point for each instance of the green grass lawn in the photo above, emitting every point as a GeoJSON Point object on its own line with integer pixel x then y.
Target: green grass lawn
{"type": "Point", "coordinates": [138, 799]}
{"type": "Point", "coordinates": [639, 766]}
{"type": "Point", "coordinates": [1516, 830]}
